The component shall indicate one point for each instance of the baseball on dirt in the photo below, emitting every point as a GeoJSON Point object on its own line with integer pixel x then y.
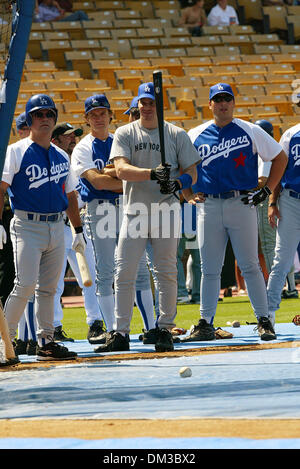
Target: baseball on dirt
{"type": "Point", "coordinates": [236, 324]}
{"type": "Point", "coordinates": [185, 372]}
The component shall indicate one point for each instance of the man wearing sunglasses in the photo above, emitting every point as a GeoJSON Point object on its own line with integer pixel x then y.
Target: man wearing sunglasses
{"type": "Point", "coordinates": [227, 175]}
{"type": "Point", "coordinates": [40, 184]}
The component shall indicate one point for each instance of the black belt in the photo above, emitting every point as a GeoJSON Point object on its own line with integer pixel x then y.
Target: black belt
{"type": "Point", "coordinates": [115, 201]}
{"type": "Point", "coordinates": [226, 195]}
{"type": "Point", "coordinates": [40, 217]}
{"type": "Point", "coordinates": [294, 194]}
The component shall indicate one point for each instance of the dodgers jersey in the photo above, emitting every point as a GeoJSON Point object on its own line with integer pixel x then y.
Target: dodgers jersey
{"type": "Point", "coordinates": [92, 153]}
{"type": "Point", "coordinates": [290, 141]}
{"type": "Point", "coordinates": [229, 155]}
{"type": "Point", "coordinates": [39, 179]}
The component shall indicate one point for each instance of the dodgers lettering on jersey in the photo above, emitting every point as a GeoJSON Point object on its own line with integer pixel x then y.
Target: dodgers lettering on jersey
{"type": "Point", "coordinates": [290, 141]}
{"type": "Point", "coordinates": [228, 160]}
{"type": "Point", "coordinates": [37, 177]}
{"type": "Point", "coordinates": [97, 151]}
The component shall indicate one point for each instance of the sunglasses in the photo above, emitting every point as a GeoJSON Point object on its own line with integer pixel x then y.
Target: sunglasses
{"type": "Point", "coordinates": [40, 114]}
{"type": "Point", "coordinates": [222, 97]}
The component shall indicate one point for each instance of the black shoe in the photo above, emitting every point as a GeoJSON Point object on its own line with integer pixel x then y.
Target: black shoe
{"type": "Point", "coordinates": [31, 348]}
{"type": "Point", "coordinates": [286, 294]}
{"type": "Point", "coordinates": [115, 342]}
{"type": "Point", "coordinates": [54, 351]}
{"type": "Point", "coordinates": [20, 347]}
{"type": "Point", "coordinates": [150, 336]}
{"type": "Point", "coordinates": [265, 329]}
{"type": "Point", "coordinates": [61, 336]}
{"type": "Point", "coordinates": [96, 333]}
{"type": "Point", "coordinates": [164, 341]}
{"type": "Point", "coordinates": [202, 331]}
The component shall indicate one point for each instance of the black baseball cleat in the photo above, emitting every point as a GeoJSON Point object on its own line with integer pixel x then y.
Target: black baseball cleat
{"type": "Point", "coordinates": [96, 333]}
{"type": "Point", "coordinates": [201, 332]}
{"type": "Point", "coordinates": [150, 336]}
{"type": "Point", "coordinates": [54, 351]}
{"type": "Point", "coordinates": [61, 336]}
{"type": "Point", "coordinates": [164, 341]}
{"type": "Point", "coordinates": [31, 347]}
{"type": "Point", "coordinates": [286, 294]}
{"type": "Point", "coordinates": [20, 347]}
{"type": "Point", "coordinates": [115, 342]}
{"type": "Point", "coordinates": [265, 329]}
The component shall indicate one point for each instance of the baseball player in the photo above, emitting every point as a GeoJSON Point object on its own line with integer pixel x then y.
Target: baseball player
{"type": "Point", "coordinates": [267, 234]}
{"type": "Point", "coordinates": [64, 136]}
{"type": "Point", "coordinates": [26, 342]}
{"type": "Point", "coordinates": [41, 186]}
{"type": "Point", "coordinates": [284, 208]}
{"type": "Point", "coordinates": [101, 189]}
{"type": "Point", "coordinates": [136, 155]}
{"type": "Point", "coordinates": [229, 150]}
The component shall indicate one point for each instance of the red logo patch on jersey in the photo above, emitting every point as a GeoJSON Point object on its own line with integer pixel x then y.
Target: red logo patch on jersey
{"type": "Point", "coordinates": [63, 187]}
{"type": "Point", "coordinates": [240, 161]}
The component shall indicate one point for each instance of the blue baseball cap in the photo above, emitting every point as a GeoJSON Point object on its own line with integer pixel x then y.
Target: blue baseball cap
{"type": "Point", "coordinates": [134, 103]}
{"type": "Point", "coordinates": [96, 101]}
{"type": "Point", "coordinates": [21, 121]}
{"type": "Point", "coordinates": [220, 88]}
{"type": "Point", "coordinates": [146, 90]}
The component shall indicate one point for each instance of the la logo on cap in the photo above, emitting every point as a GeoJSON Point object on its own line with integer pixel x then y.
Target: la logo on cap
{"type": "Point", "coordinates": [147, 89]}
{"type": "Point", "coordinates": [43, 100]}
{"type": "Point", "coordinates": [220, 87]}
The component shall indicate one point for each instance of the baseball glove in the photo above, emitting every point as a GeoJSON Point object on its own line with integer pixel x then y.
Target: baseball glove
{"type": "Point", "coordinates": [296, 320]}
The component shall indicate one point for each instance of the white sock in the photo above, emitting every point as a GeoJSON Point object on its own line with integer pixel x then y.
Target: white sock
{"type": "Point", "coordinates": [107, 307]}
{"type": "Point", "coordinates": [145, 304]}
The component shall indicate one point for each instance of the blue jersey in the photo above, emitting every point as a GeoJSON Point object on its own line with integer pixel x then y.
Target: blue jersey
{"type": "Point", "coordinates": [229, 155]}
{"type": "Point", "coordinates": [92, 153]}
{"type": "Point", "coordinates": [290, 142]}
{"type": "Point", "coordinates": [39, 179]}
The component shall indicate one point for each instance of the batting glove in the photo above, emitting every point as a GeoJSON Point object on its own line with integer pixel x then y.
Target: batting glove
{"type": "Point", "coordinates": [169, 187]}
{"type": "Point", "coordinates": [256, 197]}
{"type": "Point", "coordinates": [3, 236]}
{"type": "Point", "coordinates": [79, 242]}
{"type": "Point", "coordinates": [161, 173]}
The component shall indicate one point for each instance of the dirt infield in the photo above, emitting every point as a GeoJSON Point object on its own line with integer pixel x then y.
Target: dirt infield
{"type": "Point", "coordinates": [183, 428]}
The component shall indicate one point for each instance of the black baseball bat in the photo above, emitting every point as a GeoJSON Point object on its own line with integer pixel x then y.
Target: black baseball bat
{"type": "Point", "coordinates": [158, 93]}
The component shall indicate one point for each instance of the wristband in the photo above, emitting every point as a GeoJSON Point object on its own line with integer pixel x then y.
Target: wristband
{"type": "Point", "coordinates": [273, 204]}
{"type": "Point", "coordinates": [186, 181]}
{"type": "Point", "coordinates": [268, 190]}
{"type": "Point", "coordinates": [78, 229]}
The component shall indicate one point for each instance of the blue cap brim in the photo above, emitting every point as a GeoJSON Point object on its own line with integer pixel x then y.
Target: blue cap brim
{"type": "Point", "coordinates": [146, 95]}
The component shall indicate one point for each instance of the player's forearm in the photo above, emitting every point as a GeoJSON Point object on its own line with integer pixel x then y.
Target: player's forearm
{"type": "Point", "coordinates": [277, 170]}
{"type": "Point", "coordinates": [73, 211]}
{"type": "Point", "coordinates": [131, 173]}
{"type": "Point", "coordinates": [275, 194]}
{"type": "Point", "coordinates": [102, 181]}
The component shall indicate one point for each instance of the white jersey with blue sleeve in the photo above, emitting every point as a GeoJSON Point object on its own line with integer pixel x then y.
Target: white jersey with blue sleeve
{"type": "Point", "coordinates": [92, 153]}
{"type": "Point", "coordinates": [39, 178]}
{"type": "Point", "coordinates": [290, 141]}
{"type": "Point", "coordinates": [229, 155]}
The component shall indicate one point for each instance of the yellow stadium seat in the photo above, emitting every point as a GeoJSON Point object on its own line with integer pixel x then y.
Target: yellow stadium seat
{"type": "Point", "coordinates": [225, 70]}
{"type": "Point", "coordinates": [196, 61]}
{"type": "Point", "coordinates": [178, 31]}
{"type": "Point", "coordinates": [145, 53]}
{"type": "Point", "coordinates": [230, 59]}
{"type": "Point", "coordinates": [45, 26]}
{"type": "Point", "coordinates": [198, 51]}
{"type": "Point", "coordinates": [227, 50]}
{"type": "Point", "coordinates": [240, 29]}
{"type": "Point", "coordinates": [145, 7]}
{"type": "Point", "coordinates": [109, 5]}
{"type": "Point", "coordinates": [293, 25]}
{"type": "Point", "coordinates": [73, 118]}
{"type": "Point", "coordinates": [250, 90]}
{"type": "Point", "coordinates": [281, 101]}
{"type": "Point", "coordinates": [74, 28]}
{"type": "Point", "coordinates": [251, 10]}
{"type": "Point", "coordinates": [197, 71]}
{"type": "Point", "coordinates": [66, 88]}
{"type": "Point", "coordinates": [128, 79]}
{"type": "Point", "coordinates": [32, 87]}
{"type": "Point", "coordinates": [266, 39]}
{"type": "Point", "coordinates": [215, 30]}
{"type": "Point", "coordinates": [137, 64]}
{"type": "Point", "coordinates": [247, 101]}
{"type": "Point", "coordinates": [150, 32]}
{"type": "Point", "coordinates": [252, 69]}
{"type": "Point", "coordinates": [85, 6]}
{"type": "Point", "coordinates": [98, 24]}
{"type": "Point", "coordinates": [38, 66]}
{"type": "Point", "coordinates": [79, 60]}
{"type": "Point", "coordinates": [126, 33]}
{"type": "Point", "coordinates": [173, 52]}
{"type": "Point", "coordinates": [39, 76]}
{"type": "Point", "coordinates": [56, 36]}
{"type": "Point", "coordinates": [128, 14]}
{"type": "Point", "coordinates": [172, 64]}
{"type": "Point", "coordinates": [98, 34]}
{"type": "Point", "coordinates": [207, 41]}
{"type": "Point", "coordinates": [243, 41]}
{"type": "Point", "coordinates": [146, 43]}
{"type": "Point", "coordinates": [278, 88]}
{"type": "Point", "coordinates": [266, 49]}
{"type": "Point", "coordinates": [292, 58]}
{"type": "Point", "coordinates": [274, 18]}
{"type": "Point", "coordinates": [100, 86]}
{"type": "Point", "coordinates": [120, 46]}
{"type": "Point", "coordinates": [176, 42]}
{"type": "Point", "coordinates": [34, 44]}
{"type": "Point", "coordinates": [242, 113]}
{"type": "Point", "coordinates": [158, 23]}
{"type": "Point", "coordinates": [280, 78]}
{"type": "Point", "coordinates": [264, 112]}
{"type": "Point", "coordinates": [105, 69]}
{"type": "Point", "coordinates": [258, 59]}
{"type": "Point", "coordinates": [55, 51]}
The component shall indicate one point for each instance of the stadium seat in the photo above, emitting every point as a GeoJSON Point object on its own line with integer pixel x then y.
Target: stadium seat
{"type": "Point", "coordinates": [66, 88]}
{"type": "Point", "coordinates": [172, 64]}
{"type": "Point", "coordinates": [99, 86]}
{"type": "Point", "coordinates": [68, 75]}
{"type": "Point", "coordinates": [250, 10]}
{"type": "Point", "coordinates": [55, 51]}
{"type": "Point", "coordinates": [79, 60]}
{"type": "Point", "coordinates": [293, 25]}
{"type": "Point", "coordinates": [150, 32]}
{"type": "Point", "coordinates": [274, 18]}
{"type": "Point", "coordinates": [215, 30]}
{"type": "Point", "coordinates": [39, 76]}
{"type": "Point", "coordinates": [145, 43]}
{"type": "Point", "coordinates": [98, 33]}
{"type": "Point", "coordinates": [34, 44]}
{"type": "Point", "coordinates": [74, 28]}
{"type": "Point", "coordinates": [105, 69]}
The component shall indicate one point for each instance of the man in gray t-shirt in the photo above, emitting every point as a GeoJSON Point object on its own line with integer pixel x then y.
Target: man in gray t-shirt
{"type": "Point", "coordinates": [151, 211]}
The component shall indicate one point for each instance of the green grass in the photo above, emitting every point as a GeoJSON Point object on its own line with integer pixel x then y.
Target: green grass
{"type": "Point", "coordinates": [235, 308]}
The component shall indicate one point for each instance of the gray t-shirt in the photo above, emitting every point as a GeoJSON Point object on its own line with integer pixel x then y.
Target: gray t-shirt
{"type": "Point", "coordinates": [141, 147]}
